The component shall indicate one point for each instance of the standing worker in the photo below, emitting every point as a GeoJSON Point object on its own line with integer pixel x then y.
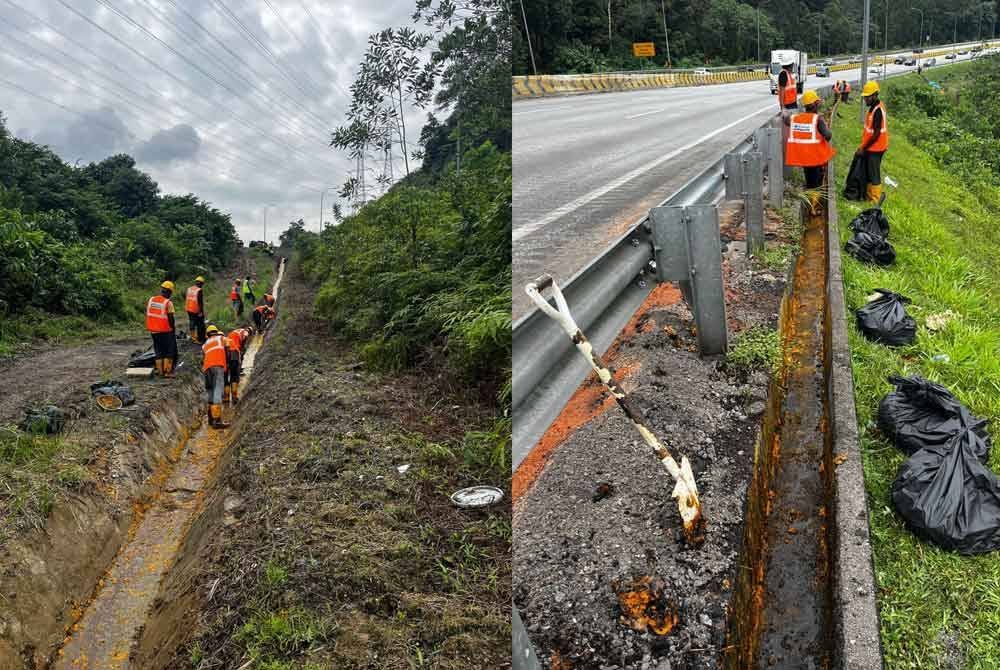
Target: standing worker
{"type": "Point", "coordinates": [808, 144]}
{"type": "Point", "coordinates": [874, 140]}
{"type": "Point", "coordinates": [214, 367]}
{"type": "Point", "coordinates": [837, 89]}
{"type": "Point", "coordinates": [194, 303]}
{"type": "Point", "coordinates": [234, 361]}
{"type": "Point", "coordinates": [788, 96]}
{"type": "Point", "coordinates": [236, 299]}
{"type": "Point", "coordinates": [845, 91]}
{"type": "Point", "coordinates": [248, 297]}
{"type": "Point", "coordinates": [160, 324]}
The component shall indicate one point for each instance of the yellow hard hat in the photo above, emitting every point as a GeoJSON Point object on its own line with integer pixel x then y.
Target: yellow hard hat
{"type": "Point", "coordinates": [169, 285]}
{"type": "Point", "coordinates": [200, 278]}
{"type": "Point", "coordinates": [809, 97]}
{"type": "Point", "coordinates": [212, 330]}
{"type": "Point", "coordinates": [869, 89]}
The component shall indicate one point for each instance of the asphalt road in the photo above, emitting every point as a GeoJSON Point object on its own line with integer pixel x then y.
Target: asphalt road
{"type": "Point", "coordinates": [588, 167]}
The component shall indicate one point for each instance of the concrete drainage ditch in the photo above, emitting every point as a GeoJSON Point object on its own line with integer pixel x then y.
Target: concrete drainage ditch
{"type": "Point", "coordinates": [104, 636]}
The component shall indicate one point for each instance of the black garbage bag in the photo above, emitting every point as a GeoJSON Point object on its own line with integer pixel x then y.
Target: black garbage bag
{"type": "Point", "coordinates": [47, 420]}
{"type": "Point", "coordinates": [856, 184]}
{"type": "Point", "coordinates": [921, 414]}
{"type": "Point", "coordinates": [947, 496]}
{"type": "Point", "coordinates": [885, 320]}
{"type": "Point", "coordinates": [872, 221]}
{"type": "Point", "coordinates": [142, 359]}
{"type": "Point", "coordinates": [870, 249]}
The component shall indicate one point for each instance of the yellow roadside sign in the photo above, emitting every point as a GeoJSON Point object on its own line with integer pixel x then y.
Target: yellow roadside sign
{"type": "Point", "coordinates": [640, 49]}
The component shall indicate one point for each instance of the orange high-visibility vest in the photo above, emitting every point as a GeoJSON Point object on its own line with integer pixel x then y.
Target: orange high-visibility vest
{"type": "Point", "coordinates": [214, 351]}
{"type": "Point", "coordinates": [882, 143]}
{"type": "Point", "coordinates": [806, 147]}
{"type": "Point", "coordinates": [191, 305]}
{"type": "Point", "coordinates": [157, 320]}
{"type": "Point", "coordinates": [232, 347]}
{"type": "Point", "coordinates": [236, 337]}
{"type": "Point", "coordinates": [847, 87]}
{"type": "Point", "coordinates": [233, 295]}
{"type": "Point", "coordinates": [268, 298]}
{"type": "Point", "coordinates": [790, 95]}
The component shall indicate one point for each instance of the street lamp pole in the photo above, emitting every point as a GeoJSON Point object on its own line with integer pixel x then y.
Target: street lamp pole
{"type": "Point", "coordinates": [864, 53]}
{"type": "Point", "coordinates": [321, 194]}
{"type": "Point", "coordinates": [666, 38]}
{"type": "Point", "coordinates": [270, 204]}
{"type": "Point", "coordinates": [920, 41]}
{"type": "Point", "coordinates": [820, 47]}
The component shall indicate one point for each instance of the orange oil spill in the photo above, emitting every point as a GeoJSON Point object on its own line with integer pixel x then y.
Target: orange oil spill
{"type": "Point", "coordinates": [102, 638]}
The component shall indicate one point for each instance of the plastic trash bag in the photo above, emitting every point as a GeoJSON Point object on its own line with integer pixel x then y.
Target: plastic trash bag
{"type": "Point", "coordinates": [885, 320]}
{"type": "Point", "coordinates": [921, 414]}
{"type": "Point", "coordinates": [947, 496]}
{"type": "Point", "coordinates": [871, 249]}
{"type": "Point", "coordinates": [43, 420]}
{"type": "Point", "coordinates": [142, 359]}
{"type": "Point", "coordinates": [855, 186]}
{"type": "Point", "coordinates": [872, 221]}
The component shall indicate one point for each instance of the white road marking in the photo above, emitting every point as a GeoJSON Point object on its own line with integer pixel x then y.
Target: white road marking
{"type": "Point", "coordinates": [655, 111]}
{"type": "Point", "coordinates": [529, 228]}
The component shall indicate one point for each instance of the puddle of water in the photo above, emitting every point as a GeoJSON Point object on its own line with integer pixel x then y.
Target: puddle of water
{"type": "Point", "coordinates": [782, 604]}
{"type": "Point", "coordinates": [102, 638]}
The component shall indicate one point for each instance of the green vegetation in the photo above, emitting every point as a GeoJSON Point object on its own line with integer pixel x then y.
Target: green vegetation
{"type": "Point", "coordinates": [596, 35]}
{"type": "Point", "coordinates": [74, 240]}
{"type": "Point", "coordinates": [755, 349]}
{"type": "Point", "coordinates": [938, 609]}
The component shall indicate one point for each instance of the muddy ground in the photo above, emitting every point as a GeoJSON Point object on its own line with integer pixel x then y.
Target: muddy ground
{"type": "Point", "coordinates": [320, 548]}
{"type": "Point", "coordinates": [600, 514]}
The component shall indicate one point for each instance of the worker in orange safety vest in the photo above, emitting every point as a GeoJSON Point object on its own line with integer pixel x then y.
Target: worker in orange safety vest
{"type": "Point", "coordinates": [788, 95]}
{"type": "Point", "coordinates": [808, 145]}
{"type": "Point", "coordinates": [194, 304]}
{"type": "Point", "coordinates": [234, 363]}
{"type": "Point", "coordinates": [236, 298]}
{"type": "Point", "coordinates": [160, 324]}
{"type": "Point", "coordinates": [214, 365]}
{"type": "Point", "coordinates": [874, 140]}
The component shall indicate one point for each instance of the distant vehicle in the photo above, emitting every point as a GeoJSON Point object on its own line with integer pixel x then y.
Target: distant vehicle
{"type": "Point", "coordinates": [930, 62]}
{"type": "Point", "coordinates": [855, 59]}
{"type": "Point", "coordinates": [950, 57]}
{"type": "Point", "coordinates": [822, 71]}
{"type": "Point", "coordinates": [829, 62]}
{"type": "Point", "coordinates": [963, 52]}
{"type": "Point", "coordinates": [910, 61]}
{"type": "Point", "coordinates": [898, 60]}
{"type": "Point", "coordinates": [800, 67]}
{"type": "Point", "coordinates": [918, 51]}
{"type": "Point", "coordinates": [748, 68]}
{"type": "Point", "coordinates": [701, 71]}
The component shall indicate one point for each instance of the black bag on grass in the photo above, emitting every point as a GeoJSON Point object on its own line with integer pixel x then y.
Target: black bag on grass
{"type": "Point", "coordinates": [872, 221]}
{"type": "Point", "coordinates": [921, 414]}
{"type": "Point", "coordinates": [142, 359]}
{"type": "Point", "coordinates": [947, 496]}
{"type": "Point", "coordinates": [871, 249]}
{"type": "Point", "coordinates": [855, 186]}
{"type": "Point", "coordinates": [885, 320]}
{"type": "Point", "coordinates": [47, 420]}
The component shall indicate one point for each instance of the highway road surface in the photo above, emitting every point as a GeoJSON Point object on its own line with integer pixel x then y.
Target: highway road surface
{"type": "Point", "coordinates": [588, 167]}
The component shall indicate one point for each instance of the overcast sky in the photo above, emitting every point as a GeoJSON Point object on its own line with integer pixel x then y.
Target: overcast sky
{"type": "Point", "coordinates": [243, 133]}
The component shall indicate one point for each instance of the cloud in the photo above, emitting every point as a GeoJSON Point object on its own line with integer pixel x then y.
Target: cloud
{"type": "Point", "coordinates": [173, 144]}
{"type": "Point", "coordinates": [91, 136]}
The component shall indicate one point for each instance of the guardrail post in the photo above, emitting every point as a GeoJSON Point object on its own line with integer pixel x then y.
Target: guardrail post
{"type": "Point", "coordinates": [753, 201]}
{"type": "Point", "coordinates": [688, 250]}
{"type": "Point", "coordinates": [775, 167]}
{"type": "Point", "coordinates": [732, 171]}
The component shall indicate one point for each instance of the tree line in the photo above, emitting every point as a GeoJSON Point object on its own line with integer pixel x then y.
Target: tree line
{"type": "Point", "coordinates": [74, 239]}
{"type": "Point", "coordinates": [573, 36]}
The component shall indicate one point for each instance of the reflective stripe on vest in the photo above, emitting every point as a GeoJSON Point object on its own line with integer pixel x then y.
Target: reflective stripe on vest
{"type": "Point", "coordinates": [157, 320]}
{"type": "Point", "coordinates": [790, 95]}
{"type": "Point", "coordinates": [806, 147]}
{"type": "Point", "coordinates": [214, 351]}
{"type": "Point", "coordinates": [882, 143]}
{"type": "Point", "coordinates": [191, 305]}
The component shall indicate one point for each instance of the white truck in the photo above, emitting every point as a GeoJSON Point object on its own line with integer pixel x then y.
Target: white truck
{"type": "Point", "coordinates": [800, 67]}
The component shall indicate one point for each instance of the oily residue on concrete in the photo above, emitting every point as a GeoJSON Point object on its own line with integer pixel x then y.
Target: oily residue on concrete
{"type": "Point", "coordinates": [782, 606]}
{"type": "Point", "coordinates": [103, 637]}
{"type": "Point", "coordinates": [591, 399]}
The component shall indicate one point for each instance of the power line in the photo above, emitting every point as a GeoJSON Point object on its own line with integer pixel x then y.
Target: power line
{"type": "Point", "coordinates": [288, 30]}
{"type": "Point", "coordinates": [177, 79]}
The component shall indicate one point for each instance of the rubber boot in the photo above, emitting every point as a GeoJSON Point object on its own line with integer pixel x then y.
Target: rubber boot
{"type": "Point", "coordinates": [168, 368]}
{"type": "Point", "coordinates": [211, 416]}
{"type": "Point", "coordinates": [813, 202]}
{"type": "Point", "coordinates": [216, 411]}
{"type": "Point", "coordinates": [193, 335]}
{"type": "Point", "coordinates": [225, 393]}
{"type": "Point", "coordinates": [235, 392]}
{"type": "Point", "coordinates": [874, 193]}
{"type": "Point", "coordinates": [158, 363]}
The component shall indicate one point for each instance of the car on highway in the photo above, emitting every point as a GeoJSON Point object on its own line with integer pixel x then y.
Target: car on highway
{"type": "Point", "coordinates": [828, 62]}
{"type": "Point", "coordinates": [822, 71]}
{"type": "Point", "coordinates": [963, 52]}
{"type": "Point", "coordinates": [910, 61]}
{"type": "Point", "coordinates": [701, 71]}
{"type": "Point", "coordinates": [930, 62]}
{"type": "Point", "coordinates": [875, 69]}
{"type": "Point", "coordinates": [855, 59]}
{"type": "Point", "coordinates": [950, 57]}
{"type": "Point", "coordinates": [899, 60]}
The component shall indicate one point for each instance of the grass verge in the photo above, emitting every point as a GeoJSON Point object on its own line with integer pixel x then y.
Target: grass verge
{"type": "Point", "coordinates": [938, 609]}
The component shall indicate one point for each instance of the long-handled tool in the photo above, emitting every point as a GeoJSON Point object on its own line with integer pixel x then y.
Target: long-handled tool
{"type": "Point", "coordinates": [685, 489]}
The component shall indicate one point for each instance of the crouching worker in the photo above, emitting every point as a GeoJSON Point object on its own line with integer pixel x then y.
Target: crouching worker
{"type": "Point", "coordinates": [808, 144]}
{"type": "Point", "coordinates": [262, 316]}
{"type": "Point", "coordinates": [160, 324]}
{"type": "Point", "coordinates": [234, 362]}
{"type": "Point", "coordinates": [214, 366]}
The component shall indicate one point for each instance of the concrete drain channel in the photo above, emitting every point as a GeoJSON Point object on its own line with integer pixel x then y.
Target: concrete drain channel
{"type": "Point", "coordinates": [103, 637]}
